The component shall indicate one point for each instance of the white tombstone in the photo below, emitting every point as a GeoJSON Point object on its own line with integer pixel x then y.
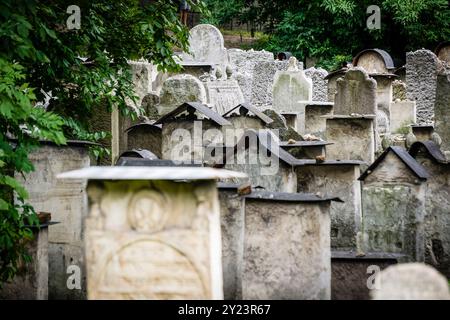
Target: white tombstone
{"type": "Point", "coordinates": [206, 45]}
{"type": "Point", "coordinates": [224, 95]}
{"type": "Point", "coordinates": [153, 232]}
{"type": "Point", "coordinates": [410, 281]}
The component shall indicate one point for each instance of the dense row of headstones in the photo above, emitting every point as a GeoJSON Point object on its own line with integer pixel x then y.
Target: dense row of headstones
{"type": "Point", "coordinates": [343, 189]}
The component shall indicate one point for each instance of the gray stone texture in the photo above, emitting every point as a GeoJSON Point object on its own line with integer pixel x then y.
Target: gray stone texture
{"type": "Point", "coordinates": [411, 281]}
{"type": "Point", "coordinates": [243, 62]}
{"type": "Point", "coordinates": [341, 181]}
{"type": "Point", "coordinates": [349, 277]}
{"type": "Point", "coordinates": [356, 93]}
{"type": "Point", "coordinates": [31, 280]}
{"type": "Point", "coordinates": [320, 85]}
{"type": "Point", "coordinates": [232, 213]}
{"type": "Point", "coordinates": [393, 210]}
{"type": "Point", "coordinates": [67, 203]}
{"type": "Point", "coordinates": [353, 139]}
{"type": "Point", "coordinates": [286, 250]}
{"type": "Point", "coordinates": [179, 89]}
{"type": "Point", "coordinates": [145, 137]}
{"type": "Point", "coordinates": [442, 110]}
{"type": "Point", "coordinates": [398, 90]}
{"type": "Point", "coordinates": [421, 76]}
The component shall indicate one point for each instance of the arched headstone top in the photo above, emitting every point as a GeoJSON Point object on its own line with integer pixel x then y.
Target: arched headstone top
{"type": "Point", "coordinates": [356, 93]}
{"type": "Point", "coordinates": [442, 51]}
{"type": "Point", "coordinates": [206, 45]}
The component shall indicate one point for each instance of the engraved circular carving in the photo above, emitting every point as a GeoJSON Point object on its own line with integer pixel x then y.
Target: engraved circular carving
{"type": "Point", "coordinates": [147, 211]}
{"type": "Point", "coordinates": [148, 269]}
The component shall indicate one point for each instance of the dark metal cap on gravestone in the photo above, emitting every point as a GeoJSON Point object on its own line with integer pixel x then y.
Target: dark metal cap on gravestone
{"type": "Point", "coordinates": [284, 55]}
{"type": "Point", "coordinates": [376, 62]}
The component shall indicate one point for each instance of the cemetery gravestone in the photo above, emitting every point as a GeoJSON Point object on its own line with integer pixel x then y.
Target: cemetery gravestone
{"type": "Point", "coordinates": [179, 89]}
{"type": "Point", "coordinates": [356, 93]}
{"type": "Point", "coordinates": [153, 233]}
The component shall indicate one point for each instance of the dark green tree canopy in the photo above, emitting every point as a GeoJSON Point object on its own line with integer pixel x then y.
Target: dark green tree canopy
{"type": "Point", "coordinates": [335, 30]}
{"type": "Point", "coordinates": [83, 68]}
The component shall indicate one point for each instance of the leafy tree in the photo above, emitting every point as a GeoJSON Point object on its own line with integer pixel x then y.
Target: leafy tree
{"type": "Point", "coordinates": [39, 55]}
{"type": "Point", "coordinates": [335, 30]}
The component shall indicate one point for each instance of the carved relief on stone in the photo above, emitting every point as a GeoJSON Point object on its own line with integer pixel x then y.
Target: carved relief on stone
{"type": "Point", "coordinates": [148, 211]}
{"type": "Point", "coordinates": [148, 268]}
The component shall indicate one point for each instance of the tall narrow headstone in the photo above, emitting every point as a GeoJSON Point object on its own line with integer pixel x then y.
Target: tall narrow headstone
{"type": "Point", "coordinates": [421, 77]}
{"type": "Point", "coordinates": [442, 110]}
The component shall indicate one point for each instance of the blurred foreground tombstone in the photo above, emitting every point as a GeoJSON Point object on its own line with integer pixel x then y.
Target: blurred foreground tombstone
{"type": "Point", "coordinates": [153, 232]}
{"type": "Point", "coordinates": [411, 281]}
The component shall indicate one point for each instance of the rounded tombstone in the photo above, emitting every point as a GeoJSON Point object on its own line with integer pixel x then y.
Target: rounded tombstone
{"type": "Point", "coordinates": [374, 61]}
{"type": "Point", "coordinates": [206, 45]}
{"type": "Point", "coordinates": [410, 281]}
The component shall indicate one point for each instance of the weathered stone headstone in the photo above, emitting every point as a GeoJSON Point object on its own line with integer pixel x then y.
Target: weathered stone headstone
{"type": "Point", "coordinates": [394, 205]}
{"type": "Point", "coordinates": [149, 104]}
{"type": "Point", "coordinates": [206, 45]}
{"type": "Point", "coordinates": [319, 87]}
{"type": "Point", "coordinates": [223, 95]}
{"type": "Point", "coordinates": [179, 89]}
{"type": "Point", "coordinates": [142, 78]}
{"type": "Point", "coordinates": [243, 62]}
{"type": "Point", "coordinates": [443, 52]}
{"type": "Point", "coordinates": [286, 247]}
{"type": "Point", "coordinates": [67, 203]}
{"type": "Point", "coordinates": [291, 91]}
{"type": "Point", "coordinates": [421, 76]}
{"type": "Point", "coordinates": [442, 109]}
{"type": "Point", "coordinates": [356, 93]}
{"type": "Point", "coordinates": [331, 79]}
{"type": "Point", "coordinates": [411, 281]}
{"type": "Point", "coordinates": [339, 178]}
{"type": "Point", "coordinates": [264, 77]}
{"type": "Point", "coordinates": [398, 90]}
{"type": "Point", "coordinates": [153, 232]}
{"type": "Point", "coordinates": [31, 280]}
{"type": "Point", "coordinates": [290, 87]}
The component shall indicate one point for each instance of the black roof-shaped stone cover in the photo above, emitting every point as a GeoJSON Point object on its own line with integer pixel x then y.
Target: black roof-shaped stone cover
{"type": "Point", "coordinates": [289, 197]}
{"type": "Point", "coordinates": [248, 108]}
{"type": "Point", "coordinates": [431, 148]}
{"type": "Point", "coordinates": [405, 157]}
{"type": "Point", "coordinates": [266, 140]}
{"type": "Point", "coordinates": [195, 107]}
